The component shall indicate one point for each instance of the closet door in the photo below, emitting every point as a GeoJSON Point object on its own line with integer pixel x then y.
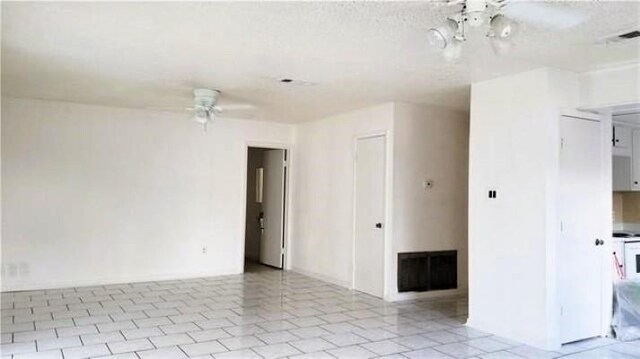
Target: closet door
{"type": "Point", "coordinates": [580, 248]}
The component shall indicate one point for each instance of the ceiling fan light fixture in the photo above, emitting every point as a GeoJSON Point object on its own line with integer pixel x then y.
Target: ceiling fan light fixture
{"type": "Point", "coordinates": [475, 18]}
{"type": "Point", "coordinates": [436, 38]}
{"type": "Point", "coordinates": [201, 115]}
{"type": "Point", "coordinates": [440, 37]}
{"type": "Point", "coordinates": [500, 19]}
{"type": "Point", "coordinates": [205, 97]}
{"type": "Point", "coordinates": [502, 27]}
{"type": "Point", "coordinates": [474, 12]}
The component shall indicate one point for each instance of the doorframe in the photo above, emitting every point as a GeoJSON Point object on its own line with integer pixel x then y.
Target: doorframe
{"type": "Point", "coordinates": [388, 205]}
{"type": "Point", "coordinates": [606, 227]}
{"type": "Point", "coordinates": [286, 228]}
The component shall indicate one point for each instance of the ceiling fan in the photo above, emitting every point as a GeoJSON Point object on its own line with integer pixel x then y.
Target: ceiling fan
{"type": "Point", "coordinates": [206, 107]}
{"type": "Point", "coordinates": [502, 18]}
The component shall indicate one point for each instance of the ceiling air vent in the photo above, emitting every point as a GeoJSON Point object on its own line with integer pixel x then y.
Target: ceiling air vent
{"type": "Point", "coordinates": [294, 82]}
{"type": "Point", "coordinates": [630, 35]}
{"type": "Point", "coordinates": [620, 37]}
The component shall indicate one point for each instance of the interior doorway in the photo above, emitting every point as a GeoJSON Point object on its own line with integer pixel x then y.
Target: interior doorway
{"type": "Point", "coordinates": [265, 222]}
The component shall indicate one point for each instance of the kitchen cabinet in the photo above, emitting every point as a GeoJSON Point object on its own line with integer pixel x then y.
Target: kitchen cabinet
{"type": "Point", "coordinates": [626, 158]}
{"type": "Point", "coordinates": [622, 140]}
{"type": "Point", "coordinates": [621, 173]}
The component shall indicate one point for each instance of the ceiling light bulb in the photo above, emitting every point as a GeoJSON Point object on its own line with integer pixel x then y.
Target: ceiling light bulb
{"type": "Point", "coordinates": [441, 36]}
{"type": "Point", "coordinates": [502, 27]}
{"type": "Point", "coordinates": [436, 39]}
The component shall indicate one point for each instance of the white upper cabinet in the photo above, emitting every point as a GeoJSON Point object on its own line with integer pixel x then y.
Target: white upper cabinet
{"type": "Point", "coordinates": [621, 173]}
{"type": "Point", "coordinates": [622, 140]}
{"type": "Point", "coordinates": [626, 158]}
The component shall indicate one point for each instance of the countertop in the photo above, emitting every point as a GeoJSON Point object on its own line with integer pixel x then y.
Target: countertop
{"type": "Point", "coordinates": [626, 234]}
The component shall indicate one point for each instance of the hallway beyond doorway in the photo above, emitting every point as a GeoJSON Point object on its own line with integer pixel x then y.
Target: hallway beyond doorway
{"type": "Point", "coordinates": [265, 214]}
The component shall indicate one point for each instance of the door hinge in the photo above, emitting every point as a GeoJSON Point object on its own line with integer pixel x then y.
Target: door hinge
{"type": "Point", "coordinates": [561, 143]}
{"type": "Point", "coordinates": [561, 226]}
{"type": "Point", "coordinates": [561, 310]}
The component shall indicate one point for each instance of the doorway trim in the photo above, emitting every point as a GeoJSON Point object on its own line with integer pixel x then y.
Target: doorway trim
{"type": "Point", "coordinates": [287, 193]}
{"type": "Point", "coordinates": [388, 205]}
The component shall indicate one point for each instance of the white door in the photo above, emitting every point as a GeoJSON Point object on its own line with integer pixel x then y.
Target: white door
{"type": "Point", "coordinates": [635, 161]}
{"type": "Point", "coordinates": [271, 241]}
{"type": "Point", "coordinates": [369, 215]}
{"type": "Point", "coordinates": [579, 250]}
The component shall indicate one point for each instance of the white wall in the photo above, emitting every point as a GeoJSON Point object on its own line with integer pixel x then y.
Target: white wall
{"type": "Point", "coordinates": [611, 86]}
{"type": "Point", "coordinates": [99, 195]}
{"type": "Point", "coordinates": [513, 149]}
{"type": "Point", "coordinates": [430, 143]}
{"type": "Point", "coordinates": [423, 142]}
{"type": "Point", "coordinates": [103, 195]}
{"type": "Point", "coordinates": [322, 238]}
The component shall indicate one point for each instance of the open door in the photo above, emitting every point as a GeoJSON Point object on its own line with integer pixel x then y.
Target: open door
{"type": "Point", "coordinates": [273, 207]}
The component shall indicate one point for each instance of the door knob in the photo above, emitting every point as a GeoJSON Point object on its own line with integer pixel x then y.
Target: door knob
{"type": "Point", "coordinates": [599, 242]}
{"type": "Point", "coordinates": [378, 225]}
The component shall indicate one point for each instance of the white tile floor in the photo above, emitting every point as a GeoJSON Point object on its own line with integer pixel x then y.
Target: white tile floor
{"type": "Point", "coordinates": [264, 314]}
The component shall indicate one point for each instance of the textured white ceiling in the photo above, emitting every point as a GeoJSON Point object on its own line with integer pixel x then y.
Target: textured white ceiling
{"type": "Point", "coordinates": [152, 54]}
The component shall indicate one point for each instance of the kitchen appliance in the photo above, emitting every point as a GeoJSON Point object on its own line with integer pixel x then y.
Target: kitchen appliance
{"type": "Point", "coordinates": [632, 259]}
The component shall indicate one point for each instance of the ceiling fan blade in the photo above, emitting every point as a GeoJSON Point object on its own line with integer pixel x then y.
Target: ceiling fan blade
{"type": "Point", "coordinates": [169, 108]}
{"type": "Point", "coordinates": [236, 106]}
{"type": "Point", "coordinates": [217, 109]}
{"type": "Point", "coordinates": [544, 14]}
{"type": "Point", "coordinates": [242, 118]}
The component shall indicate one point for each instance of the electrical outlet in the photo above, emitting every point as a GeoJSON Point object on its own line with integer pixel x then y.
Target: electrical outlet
{"type": "Point", "coordinates": [204, 250]}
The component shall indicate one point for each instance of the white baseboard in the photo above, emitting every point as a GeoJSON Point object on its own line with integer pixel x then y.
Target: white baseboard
{"type": "Point", "coordinates": [12, 287]}
{"type": "Point", "coordinates": [549, 346]}
{"type": "Point", "coordinates": [394, 297]}
{"type": "Point", "coordinates": [322, 277]}
{"type": "Point", "coordinates": [397, 297]}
